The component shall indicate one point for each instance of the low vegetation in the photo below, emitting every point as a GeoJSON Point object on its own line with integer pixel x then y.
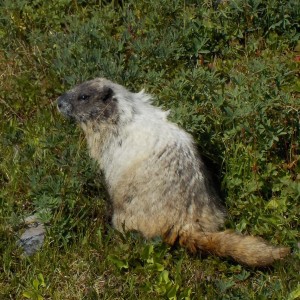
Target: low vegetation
{"type": "Point", "coordinates": [229, 73]}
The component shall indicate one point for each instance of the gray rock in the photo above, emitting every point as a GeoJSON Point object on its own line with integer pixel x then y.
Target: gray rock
{"type": "Point", "coordinates": [33, 237]}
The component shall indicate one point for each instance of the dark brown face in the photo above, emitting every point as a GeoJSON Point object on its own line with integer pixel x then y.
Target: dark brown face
{"type": "Point", "coordinates": [89, 101]}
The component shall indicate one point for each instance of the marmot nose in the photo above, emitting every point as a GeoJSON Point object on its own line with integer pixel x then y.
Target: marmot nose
{"type": "Point", "coordinates": [60, 102]}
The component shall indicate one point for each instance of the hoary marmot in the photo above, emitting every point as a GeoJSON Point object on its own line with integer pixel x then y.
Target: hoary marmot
{"type": "Point", "coordinates": [156, 180]}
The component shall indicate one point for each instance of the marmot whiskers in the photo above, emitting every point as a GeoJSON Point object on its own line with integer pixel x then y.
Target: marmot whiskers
{"type": "Point", "coordinates": [156, 180]}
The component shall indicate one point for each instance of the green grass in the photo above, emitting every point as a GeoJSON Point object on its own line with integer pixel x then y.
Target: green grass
{"type": "Point", "coordinates": [230, 76]}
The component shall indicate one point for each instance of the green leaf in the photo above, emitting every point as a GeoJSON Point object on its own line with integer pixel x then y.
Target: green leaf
{"type": "Point", "coordinates": [41, 279]}
{"type": "Point", "coordinates": [295, 294]}
{"type": "Point", "coordinates": [185, 294]}
{"type": "Point", "coordinates": [171, 294]}
{"type": "Point", "coordinates": [273, 204]}
{"type": "Point", "coordinates": [119, 263]}
{"type": "Point", "coordinates": [159, 267]}
{"type": "Point", "coordinates": [36, 284]}
{"type": "Point", "coordinates": [164, 276]}
{"type": "Point", "coordinates": [148, 250]}
{"type": "Point", "coordinates": [243, 275]}
{"type": "Point", "coordinates": [28, 295]}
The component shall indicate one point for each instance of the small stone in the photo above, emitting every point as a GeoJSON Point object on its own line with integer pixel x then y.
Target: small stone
{"type": "Point", "coordinates": [33, 237]}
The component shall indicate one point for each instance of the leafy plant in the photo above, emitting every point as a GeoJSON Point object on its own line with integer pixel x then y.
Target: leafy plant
{"type": "Point", "coordinates": [35, 292]}
{"type": "Point", "coordinates": [150, 261]}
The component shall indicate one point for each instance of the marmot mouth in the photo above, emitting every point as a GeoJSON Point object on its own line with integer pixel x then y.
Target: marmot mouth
{"type": "Point", "coordinates": [64, 108]}
{"type": "Point", "coordinates": [64, 112]}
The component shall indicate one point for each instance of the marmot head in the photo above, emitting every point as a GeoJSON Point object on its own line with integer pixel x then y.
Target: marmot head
{"type": "Point", "coordinates": [90, 101]}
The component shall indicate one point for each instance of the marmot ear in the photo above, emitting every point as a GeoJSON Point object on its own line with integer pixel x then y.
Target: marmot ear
{"type": "Point", "coordinates": [106, 94]}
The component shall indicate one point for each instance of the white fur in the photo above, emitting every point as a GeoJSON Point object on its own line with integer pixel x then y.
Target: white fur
{"type": "Point", "coordinates": [148, 130]}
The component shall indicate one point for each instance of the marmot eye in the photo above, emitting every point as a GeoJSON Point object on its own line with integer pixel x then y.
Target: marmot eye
{"type": "Point", "coordinates": [83, 97]}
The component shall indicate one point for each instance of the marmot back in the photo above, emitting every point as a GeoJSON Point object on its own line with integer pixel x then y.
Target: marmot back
{"type": "Point", "coordinates": [156, 180]}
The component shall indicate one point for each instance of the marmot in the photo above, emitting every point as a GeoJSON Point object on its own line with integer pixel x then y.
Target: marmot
{"type": "Point", "coordinates": [156, 180]}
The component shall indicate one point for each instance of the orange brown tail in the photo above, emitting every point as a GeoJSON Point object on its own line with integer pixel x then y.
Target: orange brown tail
{"type": "Point", "coordinates": [249, 250]}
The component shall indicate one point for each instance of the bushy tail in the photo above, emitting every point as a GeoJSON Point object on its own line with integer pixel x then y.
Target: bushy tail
{"type": "Point", "coordinates": [249, 250]}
